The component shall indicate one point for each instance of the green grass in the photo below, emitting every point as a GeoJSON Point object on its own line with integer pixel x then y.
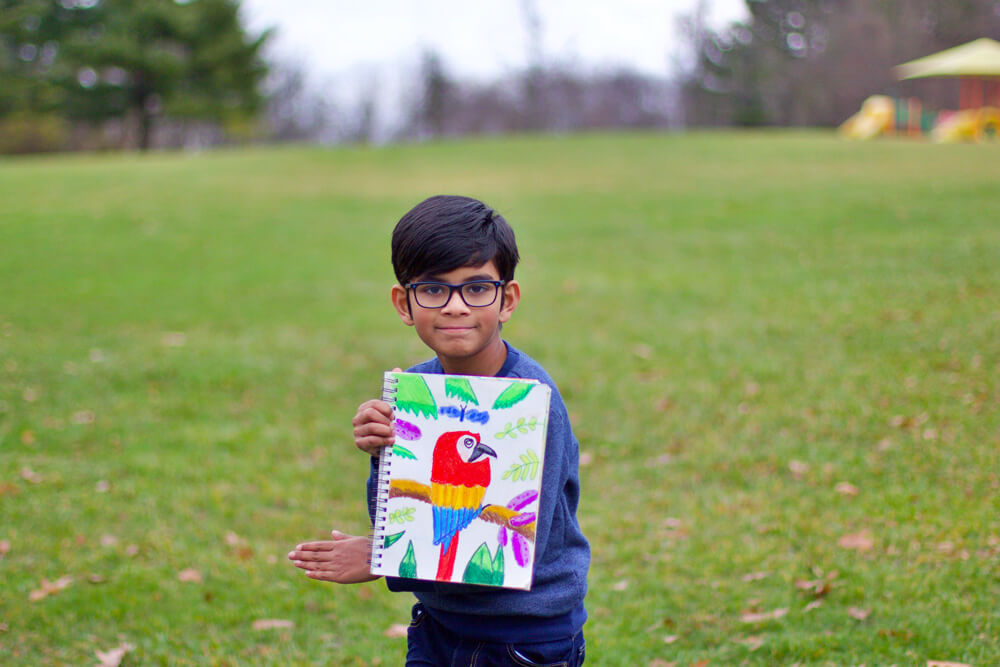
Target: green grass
{"type": "Point", "coordinates": [738, 323]}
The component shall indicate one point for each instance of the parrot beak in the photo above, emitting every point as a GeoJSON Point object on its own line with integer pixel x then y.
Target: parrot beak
{"type": "Point", "coordinates": [479, 450]}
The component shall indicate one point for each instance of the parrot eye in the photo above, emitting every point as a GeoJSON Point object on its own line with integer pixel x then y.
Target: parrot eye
{"type": "Point", "coordinates": [468, 442]}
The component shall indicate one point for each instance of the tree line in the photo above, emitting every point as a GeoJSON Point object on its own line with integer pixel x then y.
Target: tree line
{"type": "Point", "coordinates": [813, 62]}
{"type": "Point", "coordinates": [96, 73]}
{"type": "Point", "coordinates": [92, 74]}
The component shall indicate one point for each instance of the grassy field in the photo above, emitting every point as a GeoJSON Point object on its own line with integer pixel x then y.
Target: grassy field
{"type": "Point", "coordinates": [781, 353]}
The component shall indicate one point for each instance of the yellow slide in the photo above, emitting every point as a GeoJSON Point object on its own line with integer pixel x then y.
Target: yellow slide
{"type": "Point", "coordinates": [874, 118]}
{"type": "Point", "coordinates": [968, 125]}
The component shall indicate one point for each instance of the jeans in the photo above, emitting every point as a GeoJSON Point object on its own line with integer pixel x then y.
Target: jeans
{"type": "Point", "coordinates": [430, 644]}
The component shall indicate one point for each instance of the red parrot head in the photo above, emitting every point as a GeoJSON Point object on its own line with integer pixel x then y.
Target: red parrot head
{"type": "Point", "coordinates": [458, 459]}
{"type": "Point", "coordinates": [470, 448]}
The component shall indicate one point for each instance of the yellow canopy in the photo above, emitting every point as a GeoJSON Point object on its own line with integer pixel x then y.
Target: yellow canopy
{"type": "Point", "coordinates": [978, 58]}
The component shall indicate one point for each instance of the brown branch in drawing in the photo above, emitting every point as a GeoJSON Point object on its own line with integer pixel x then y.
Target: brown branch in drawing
{"type": "Point", "coordinates": [501, 516]}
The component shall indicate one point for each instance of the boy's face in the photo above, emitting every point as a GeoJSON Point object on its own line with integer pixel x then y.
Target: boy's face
{"type": "Point", "coordinates": [466, 339]}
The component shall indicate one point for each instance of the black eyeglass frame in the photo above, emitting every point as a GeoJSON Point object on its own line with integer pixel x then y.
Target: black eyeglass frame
{"type": "Point", "coordinates": [497, 284]}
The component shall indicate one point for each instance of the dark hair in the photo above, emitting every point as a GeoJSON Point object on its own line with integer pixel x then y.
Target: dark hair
{"type": "Point", "coordinates": [445, 232]}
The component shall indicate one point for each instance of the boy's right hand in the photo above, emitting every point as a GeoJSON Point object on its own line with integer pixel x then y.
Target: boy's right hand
{"type": "Point", "coordinates": [373, 425]}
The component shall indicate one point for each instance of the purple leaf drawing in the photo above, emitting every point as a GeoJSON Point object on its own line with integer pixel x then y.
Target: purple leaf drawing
{"type": "Point", "coordinates": [502, 536]}
{"type": "Point", "coordinates": [522, 519]}
{"type": "Point", "coordinates": [406, 430]}
{"type": "Point", "coordinates": [522, 500]}
{"type": "Point", "coordinates": [522, 552]}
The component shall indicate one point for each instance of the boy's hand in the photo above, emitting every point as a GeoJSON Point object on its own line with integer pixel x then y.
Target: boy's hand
{"type": "Point", "coordinates": [373, 425]}
{"type": "Point", "coordinates": [342, 560]}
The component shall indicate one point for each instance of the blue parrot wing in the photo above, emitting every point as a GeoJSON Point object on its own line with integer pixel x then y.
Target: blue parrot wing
{"type": "Point", "coordinates": [448, 521]}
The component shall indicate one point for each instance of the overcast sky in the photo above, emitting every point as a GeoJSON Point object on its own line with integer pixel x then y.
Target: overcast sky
{"type": "Point", "coordinates": [476, 38]}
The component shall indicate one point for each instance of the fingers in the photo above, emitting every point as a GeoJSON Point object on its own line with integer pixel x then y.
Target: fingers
{"type": "Point", "coordinates": [373, 427]}
{"type": "Point", "coordinates": [374, 409]}
{"type": "Point", "coordinates": [311, 555]}
{"type": "Point", "coordinates": [342, 577]}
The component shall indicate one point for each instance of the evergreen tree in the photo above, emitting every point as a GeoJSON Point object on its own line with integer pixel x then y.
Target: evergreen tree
{"type": "Point", "coordinates": [147, 59]}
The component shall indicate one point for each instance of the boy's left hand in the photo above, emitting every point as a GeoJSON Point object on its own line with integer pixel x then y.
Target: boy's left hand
{"type": "Point", "coordinates": [342, 560]}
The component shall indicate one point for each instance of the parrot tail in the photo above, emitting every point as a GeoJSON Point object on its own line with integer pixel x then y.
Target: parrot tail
{"type": "Point", "coordinates": [446, 563]}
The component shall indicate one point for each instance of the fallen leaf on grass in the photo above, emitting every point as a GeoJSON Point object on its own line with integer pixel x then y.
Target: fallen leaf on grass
{"type": "Point", "coordinates": [798, 468]}
{"type": "Point", "coordinates": [50, 588]}
{"type": "Point", "coordinates": [859, 541]}
{"type": "Point", "coordinates": [189, 575]}
{"type": "Point", "coordinates": [846, 489]}
{"type": "Point", "coordinates": [757, 617]}
{"type": "Point", "coordinates": [858, 613]}
{"type": "Point", "coordinates": [700, 663]}
{"type": "Point", "coordinates": [243, 552]}
{"type": "Point", "coordinates": [113, 657]}
{"type": "Point", "coordinates": [82, 417]}
{"type": "Point", "coordinates": [173, 339]}
{"type": "Point", "coordinates": [272, 624]}
{"type": "Point", "coordinates": [753, 642]}
{"type": "Point", "coordinates": [818, 587]}
{"type": "Point", "coordinates": [642, 351]}
{"type": "Point", "coordinates": [396, 631]}
{"type": "Point", "coordinates": [29, 475]}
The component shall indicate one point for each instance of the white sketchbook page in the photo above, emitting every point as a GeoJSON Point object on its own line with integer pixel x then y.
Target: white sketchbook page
{"type": "Point", "coordinates": [517, 435]}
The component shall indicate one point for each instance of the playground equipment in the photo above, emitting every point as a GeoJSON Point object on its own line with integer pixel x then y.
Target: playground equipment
{"type": "Point", "coordinates": [874, 118]}
{"type": "Point", "coordinates": [977, 64]}
{"type": "Point", "coordinates": [968, 125]}
{"type": "Point", "coordinates": [883, 115]}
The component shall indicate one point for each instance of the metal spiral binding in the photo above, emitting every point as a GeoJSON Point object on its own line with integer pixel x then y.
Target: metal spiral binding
{"type": "Point", "coordinates": [380, 519]}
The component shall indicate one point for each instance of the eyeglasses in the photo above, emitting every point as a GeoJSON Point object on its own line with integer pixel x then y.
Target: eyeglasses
{"type": "Point", "coordinates": [475, 293]}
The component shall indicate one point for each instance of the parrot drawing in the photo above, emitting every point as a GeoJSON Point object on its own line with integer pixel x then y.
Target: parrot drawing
{"type": "Point", "coordinates": [460, 473]}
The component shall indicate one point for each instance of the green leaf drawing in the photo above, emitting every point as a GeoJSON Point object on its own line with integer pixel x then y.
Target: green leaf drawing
{"type": "Point", "coordinates": [392, 539]}
{"type": "Point", "coordinates": [513, 394]}
{"type": "Point", "coordinates": [520, 426]}
{"type": "Point", "coordinates": [403, 452]}
{"type": "Point", "coordinates": [413, 395]}
{"type": "Point", "coordinates": [402, 515]}
{"type": "Point", "coordinates": [461, 389]}
{"type": "Point", "coordinates": [527, 469]}
{"type": "Point", "coordinates": [483, 568]}
{"type": "Point", "coordinates": [498, 567]}
{"type": "Point", "coordinates": [408, 566]}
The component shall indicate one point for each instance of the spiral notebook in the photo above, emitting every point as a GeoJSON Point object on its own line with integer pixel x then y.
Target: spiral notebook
{"type": "Point", "coordinates": [457, 494]}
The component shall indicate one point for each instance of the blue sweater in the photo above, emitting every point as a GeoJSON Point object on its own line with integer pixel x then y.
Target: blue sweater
{"type": "Point", "coordinates": [554, 605]}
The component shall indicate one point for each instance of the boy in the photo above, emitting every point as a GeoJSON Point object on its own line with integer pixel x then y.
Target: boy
{"type": "Point", "coordinates": [454, 258]}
